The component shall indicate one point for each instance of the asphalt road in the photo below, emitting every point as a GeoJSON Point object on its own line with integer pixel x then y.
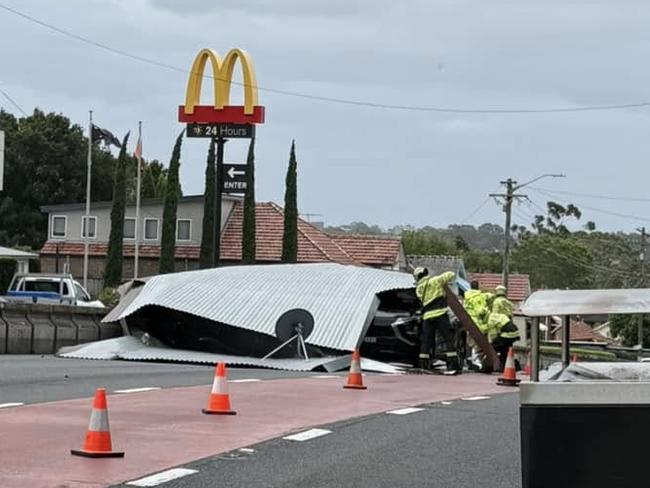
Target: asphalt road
{"type": "Point", "coordinates": [35, 379]}
{"type": "Point", "coordinates": [466, 444]}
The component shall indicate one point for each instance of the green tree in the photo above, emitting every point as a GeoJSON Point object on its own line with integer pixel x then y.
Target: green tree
{"type": "Point", "coordinates": [248, 233]}
{"type": "Point", "coordinates": [172, 194]}
{"type": "Point", "coordinates": [45, 164]}
{"type": "Point", "coordinates": [207, 237]}
{"type": "Point", "coordinates": [113, 269]}
{"type": "Point", "coordinates": [626, 327]}
{"type": "Point", "coordinates": [290, 234]}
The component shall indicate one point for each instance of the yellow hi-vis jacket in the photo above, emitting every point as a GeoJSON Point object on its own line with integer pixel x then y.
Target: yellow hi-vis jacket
{"type": "Point", "coordinates": [500, 325]}
{"type": "Point", "coordinates": [477, 308]}
{"type": "Point", "coordinates": [502, 305]}
{"type": "Point", "coordinates": [430, 292]}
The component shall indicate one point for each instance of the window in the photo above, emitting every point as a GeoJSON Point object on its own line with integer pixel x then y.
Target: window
{"type": "Point", "coordinates": [46, 286]}
{"type": "Point", "coordinates": [59, 226]}
{"type": "Point", "coordinates": [129, 228]}
{"type": "Point", "coordinates": [183, 229]}
{"type": "Point", "coordinates": [92, 227]}
{"type": "Point", "coordinates": [80, 293]}
{"type": "Point", "coordinates": [150, 229]}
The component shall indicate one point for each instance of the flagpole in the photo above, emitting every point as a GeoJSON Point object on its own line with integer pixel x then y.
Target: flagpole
{"type": "Point", "coordinates": [88, 179]}
{"type": "Point", "coordinates": [137, 203]}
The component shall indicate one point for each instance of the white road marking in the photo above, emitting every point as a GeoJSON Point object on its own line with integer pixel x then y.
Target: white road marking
{"type": "Point", "coordinates": [474, 398]}
{"type": "Point", "coordinates": [138, 390]}
{"type": "Point", "coordinates": [446, 403]}
{"type": "Point", "coordinates": [247, 450]}
{"type": "Point", "coordinates": [164, 477]}
{"type": "Point", "coordinates": [324, 376]}
{"type": "Point", "coordinates": [245, 380]}
{"type": "Point", "coordinates": [9, 405]}
{"type": "Point", "coordinates": [405, 411]}
{"type": "Point", "coordinates": [307, 435]}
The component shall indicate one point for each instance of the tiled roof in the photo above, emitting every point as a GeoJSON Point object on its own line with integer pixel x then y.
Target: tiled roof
{"type": "Point", "coordinates": [581, 332]}
{"type": "Point", "coordinates": [146, 251]}
{"type": "Point", "coordinates": [314, 245]}
{"type": "Point", "coordinates": [372, 250]}
{"type": "Point", "coordinates": [518, 284]}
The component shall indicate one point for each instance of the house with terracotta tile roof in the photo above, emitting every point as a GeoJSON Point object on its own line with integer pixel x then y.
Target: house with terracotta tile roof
{"type": "Point", "coordinates": [518, 285]}
{"type": "Point", "coordinates": [65, 241]}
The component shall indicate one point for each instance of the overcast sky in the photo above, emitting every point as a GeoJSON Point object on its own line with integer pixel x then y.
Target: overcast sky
{"type": "Point", "coordinates": [363, 163]}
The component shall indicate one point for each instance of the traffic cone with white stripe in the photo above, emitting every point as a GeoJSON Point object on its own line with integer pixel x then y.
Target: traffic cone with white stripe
{"type": "Point", "coordinates": [97, 443]}
{"type": "Point", "coordinates": [355, 378]}
{"type": "Point", "coordinates": [509, 377]}
{"type": "Point", "coordinates": [219, 401]}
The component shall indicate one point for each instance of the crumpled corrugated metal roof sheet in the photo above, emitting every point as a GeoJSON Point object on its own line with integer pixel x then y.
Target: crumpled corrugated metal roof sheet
{"type": "Point", "coordinates": [341, 298]}
{"type": "Point", "coordinates": [132, 349]}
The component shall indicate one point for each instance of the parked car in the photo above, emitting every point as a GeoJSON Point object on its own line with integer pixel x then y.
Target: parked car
{"type": "Point", "coordinates": [49, 289]}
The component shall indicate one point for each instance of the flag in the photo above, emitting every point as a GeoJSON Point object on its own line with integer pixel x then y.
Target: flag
{"type": "Point", "coordinates": [137, 154]}
{"type": "Point", "coordinates": [100, 134]}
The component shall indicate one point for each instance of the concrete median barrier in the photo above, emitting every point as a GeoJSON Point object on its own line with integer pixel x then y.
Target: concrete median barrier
{"type": "Point", "coordinates": [27, 328]}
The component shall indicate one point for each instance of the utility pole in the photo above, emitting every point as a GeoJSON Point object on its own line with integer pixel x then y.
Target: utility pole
{"type": "Point", "coordinates": [508, 197]}
{"type": "Point", "coordinates": [642, 259]}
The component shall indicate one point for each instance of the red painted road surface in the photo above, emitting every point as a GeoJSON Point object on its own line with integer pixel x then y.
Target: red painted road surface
{"type": "Point", "coordinates": [165, 428]}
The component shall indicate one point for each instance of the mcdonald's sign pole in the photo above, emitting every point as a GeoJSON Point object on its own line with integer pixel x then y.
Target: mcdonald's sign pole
{"type": "Point", "coordinates": [221, 120]}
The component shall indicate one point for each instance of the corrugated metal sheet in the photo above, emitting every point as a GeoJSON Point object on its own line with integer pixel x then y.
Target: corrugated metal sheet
{"type": "Point", "coordinates": [131, 348]}
{"type": "Point", "coordinates": [586, 302]}
{"type": "Point", "coordinates": [341, 298]}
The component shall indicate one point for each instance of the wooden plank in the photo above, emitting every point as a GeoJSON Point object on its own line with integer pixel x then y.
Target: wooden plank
{"type": "Point", "coordinates": [471, 328]}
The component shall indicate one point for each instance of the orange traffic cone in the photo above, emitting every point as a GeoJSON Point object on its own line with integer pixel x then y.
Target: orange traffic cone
{"type": "Point", "coordinates": [355, 379]}
{"type": "Point", "coordinates": [509, 377]}
{"type": "Point", "coordinates": [97, 443]}
{"type": "Point", "coordinates": [219, 401]}
{"type": "Point", "coordinates": [526, 370]}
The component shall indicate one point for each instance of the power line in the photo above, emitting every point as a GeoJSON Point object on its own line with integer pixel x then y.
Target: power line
{"type": "Point", "coordinates": [475, 211]}
{"type": "Point", "coordinates": [594, 209]}
{"type": "Point", "coordinates": [343, 101]}
{"type": "Point", "coordinates": [13, 102]}
{"type": "Point", "coordinates": [591, 195]}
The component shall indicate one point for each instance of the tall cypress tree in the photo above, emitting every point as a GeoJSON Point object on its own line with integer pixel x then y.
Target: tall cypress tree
{"type": "Point", "coordinates": [113, 269]}
{"type": "Point", "coordinates": [248, 233]}
{"type": "Point", "coordinates": [172, 192]}
{"type": "Point", "coordinates": [290, 235]}
{"type": "Point", "coordinates": [207, 239]}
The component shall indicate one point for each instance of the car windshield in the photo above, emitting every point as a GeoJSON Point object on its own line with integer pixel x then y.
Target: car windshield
{"type": "Point", "coordinates": [81, 293]}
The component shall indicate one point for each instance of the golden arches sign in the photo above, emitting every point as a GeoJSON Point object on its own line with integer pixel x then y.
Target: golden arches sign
{"type": "Point", "coordinates": [222, 72]}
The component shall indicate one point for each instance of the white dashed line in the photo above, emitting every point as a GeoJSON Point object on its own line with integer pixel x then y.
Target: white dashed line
{"type": "Point", "coordinates": [307, 435]}
{"type": "Point", "coordinates": [164, 477]}
{"type": "Point", "coordinates": [138, 390]}
{"type": "Point", "coordinates": [446, 403]}
{"type": "Point", "coordinates": [405, 411]}
{"type": "Point", "coordinates": [324, 376]}
{"type": "Point", "coordinates": [245, 380]}
{"type": "Point", "coordinates": [247, 450]}
{"type": "Point", "coordinates": [475, 398]}
{"type": "Point", "coordinates": [9, 405]}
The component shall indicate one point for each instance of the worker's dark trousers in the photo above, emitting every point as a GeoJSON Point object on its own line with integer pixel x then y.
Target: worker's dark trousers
{"type": "Point", "coordinates": [428, 336]}
{"type": "Point", "coordinates": [501, 346]}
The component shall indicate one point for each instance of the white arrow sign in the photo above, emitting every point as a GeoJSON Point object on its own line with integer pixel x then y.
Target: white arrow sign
{"type": "Point", "coordinates": [232, 172]}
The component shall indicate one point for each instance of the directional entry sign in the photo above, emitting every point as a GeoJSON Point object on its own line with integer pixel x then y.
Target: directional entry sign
{"type": "Point", "coordinates": [234, 178]}
{"type": "Point", "coordinates": [228, 131]}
